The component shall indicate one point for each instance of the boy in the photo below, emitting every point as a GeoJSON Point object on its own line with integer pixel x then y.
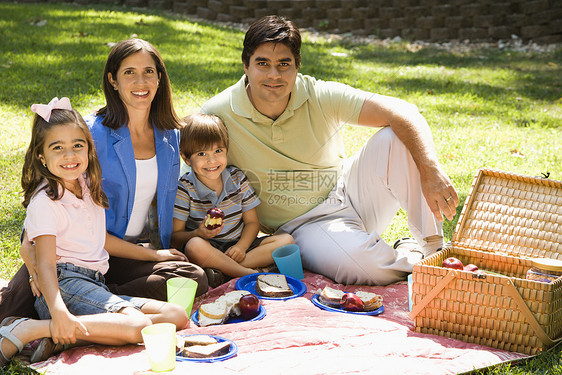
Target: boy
{"type": "Point", "coordinates": [211, 183]}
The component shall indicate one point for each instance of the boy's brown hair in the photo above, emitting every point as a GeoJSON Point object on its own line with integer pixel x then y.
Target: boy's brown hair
{"type": "Point", "coordinates": [201, 132]}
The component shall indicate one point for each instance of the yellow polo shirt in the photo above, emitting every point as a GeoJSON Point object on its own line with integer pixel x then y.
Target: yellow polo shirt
{"type": "Point", "coordinates": [292, 162]}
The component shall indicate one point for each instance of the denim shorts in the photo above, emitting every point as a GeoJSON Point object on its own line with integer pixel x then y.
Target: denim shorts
{"type": "Point", "coordinates": [84, 293]}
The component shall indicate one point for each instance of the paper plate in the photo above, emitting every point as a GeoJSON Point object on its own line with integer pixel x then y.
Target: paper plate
{"type": "Point", "coordinates": [261, 314]}
{"type": "Point", "coordinates": [248, 283]}
{"type": "Point", "coordinates": [319, 304]}
{"type": "Point", "coordinates": [231, 353]}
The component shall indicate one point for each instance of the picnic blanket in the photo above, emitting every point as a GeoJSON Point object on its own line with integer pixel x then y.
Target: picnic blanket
{"type": "Point", "coordinates": [297, 337]}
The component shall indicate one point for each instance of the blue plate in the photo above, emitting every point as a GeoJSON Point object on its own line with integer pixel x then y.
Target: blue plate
{"type": "Point", "coordinates": [231, 353]}
{"type": "Point", "coordinates": [248, 283]}
{"type": "Point", "coordinates": [317, 302]}
{"type": "Point", "coordinates": [235, 319]}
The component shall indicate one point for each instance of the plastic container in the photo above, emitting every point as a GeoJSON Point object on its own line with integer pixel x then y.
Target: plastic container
{"type": "Point", "coordinates": [545, 270]}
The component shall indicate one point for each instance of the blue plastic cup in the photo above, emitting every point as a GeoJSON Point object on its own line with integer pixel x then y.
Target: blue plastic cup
{"type": "Point", "coordinates": [288, 260]}
{"type": "Point", "coordinates": [410, 290]}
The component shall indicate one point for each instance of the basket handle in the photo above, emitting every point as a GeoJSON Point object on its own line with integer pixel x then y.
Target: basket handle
{"type": "Point", "coordinates": [520, 302]}
{"type": "Point", "coordinates": [418, 307]}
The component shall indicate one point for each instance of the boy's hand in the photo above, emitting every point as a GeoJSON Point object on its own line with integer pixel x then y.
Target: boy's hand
{"type": "Point", "coordinates": [170, 254]}
{"type": "Point", "coordinates": [236, 253]}
{"type": "Point", "coordinates": [206, 233]}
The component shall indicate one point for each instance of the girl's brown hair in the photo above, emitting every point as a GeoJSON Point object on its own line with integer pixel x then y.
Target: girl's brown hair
{"type": "Point", "coordinates": [162, 113]}
{"type": "Point", "coordinates": [34, 173]}
{"type": "Point", "coordinates": [201, 132]}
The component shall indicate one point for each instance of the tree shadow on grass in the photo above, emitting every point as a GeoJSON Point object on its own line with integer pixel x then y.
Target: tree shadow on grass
{"type": "Point", "coordinates": [66, 56]}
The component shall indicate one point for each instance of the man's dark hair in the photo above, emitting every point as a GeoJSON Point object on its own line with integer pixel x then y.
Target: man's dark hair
{"type": "Point", "coordinates": [272, 29]}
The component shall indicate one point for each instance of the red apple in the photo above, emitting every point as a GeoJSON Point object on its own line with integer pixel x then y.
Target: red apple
{"type": "Point", "coordinates": [214, 218]}
{"type": "Point", "coordinates": [454, 263]}
{"type": "Point", "coordinates": [471, 267]}
{"type": "Point", "coordinates": [350, 302]}
{"type": "Point", "coordinates": [249, 306]}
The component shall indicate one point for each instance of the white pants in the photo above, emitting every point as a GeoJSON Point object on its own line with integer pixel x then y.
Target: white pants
{"type": "Point", "coordinates": [340, 237]}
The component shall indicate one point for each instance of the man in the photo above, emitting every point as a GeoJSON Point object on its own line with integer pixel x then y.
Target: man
{"type": "Point", "coordinates": [284, 132]}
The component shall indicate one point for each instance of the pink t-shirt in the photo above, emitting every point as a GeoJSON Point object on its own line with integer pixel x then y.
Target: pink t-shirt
{"type": "Point", "coordinates": [78, 224]}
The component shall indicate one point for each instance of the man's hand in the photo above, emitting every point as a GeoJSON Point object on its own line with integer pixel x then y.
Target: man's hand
{"type": "Point", "coordinates": [439, 193]}
{"type": "Point", "coordinates": [236, 253]}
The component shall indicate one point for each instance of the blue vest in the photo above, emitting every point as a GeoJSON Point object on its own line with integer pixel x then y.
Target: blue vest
{"type": "Point", "coordinates": [117, 160]}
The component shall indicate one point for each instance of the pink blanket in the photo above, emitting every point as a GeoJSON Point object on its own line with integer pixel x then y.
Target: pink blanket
{"type": "Point", "coordinates": [296, 337]}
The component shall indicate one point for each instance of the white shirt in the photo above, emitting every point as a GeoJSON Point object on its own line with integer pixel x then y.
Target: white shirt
{"type": "Point", "coordinates": [145, 189]}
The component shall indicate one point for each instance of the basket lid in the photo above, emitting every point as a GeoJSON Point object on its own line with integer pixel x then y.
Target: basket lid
{"type": "Point", "coordinates": [512, 214]}
{"type": "Point", "coordinates": [547, 264]}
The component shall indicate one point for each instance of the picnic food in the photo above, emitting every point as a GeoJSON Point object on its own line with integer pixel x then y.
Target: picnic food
{"type": "Point", "coordinates": [273, 285]}
{"type": "Point", "coordinates": [335, 298]}
{"type": "Point", "coordinates": [351, 302]}
{"type": "Point", "coordinates": [453, 263]}
{"type": "Point", "coordinates": [331, 297]}
{"type": "Point", "coordinates": [185, 341]}
{"type": "Point", "coordinates": [471, 267]}
{"type": "Point", "coordinates": [371, 301]}
{"type": "Point", "coordinates": [198, 340]}
{"type": "Point", "coordinates": [206, 350]}
{"type": "Point", "coordinates": [544, 270]}
{"type": "Point", "coordinates": [214, 217]}
{"type": "Point", "coordinates": [222, 308]}
{"type": "Point", "coordinates": [249, 306]}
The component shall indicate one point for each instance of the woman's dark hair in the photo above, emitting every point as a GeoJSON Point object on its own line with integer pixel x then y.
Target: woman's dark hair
{"type": "Point", "coordinates": [201, 132]}
{"type": "Point", "coordinates": [272, 29]}
{"type": "Point", "coordinates": [34, 173]}
{"type": "Point", "coordinates": [115, 114]}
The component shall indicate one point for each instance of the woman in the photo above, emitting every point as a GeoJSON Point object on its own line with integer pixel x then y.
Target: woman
{"type": "Point", "coordinates": [137, 141]}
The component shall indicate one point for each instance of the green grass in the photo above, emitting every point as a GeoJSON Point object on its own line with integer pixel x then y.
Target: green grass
{"type": "Point", "coordinates": [486, 107]}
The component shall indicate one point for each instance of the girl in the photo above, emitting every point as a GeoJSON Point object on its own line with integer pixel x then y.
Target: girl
{"type": "Point", "coordinates": [137, 140]}
{"type": "Point", "coordinates": [66, 219]}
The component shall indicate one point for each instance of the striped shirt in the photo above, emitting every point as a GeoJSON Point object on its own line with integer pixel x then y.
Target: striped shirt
{"type": "Point", "coordinates": [194, 199]}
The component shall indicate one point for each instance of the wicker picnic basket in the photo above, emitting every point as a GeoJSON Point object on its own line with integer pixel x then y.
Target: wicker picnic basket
{"type": "Point", "coordinates": [507, 219]}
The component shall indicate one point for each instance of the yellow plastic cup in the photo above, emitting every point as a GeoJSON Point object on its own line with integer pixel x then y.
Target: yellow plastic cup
{"type": "Point", "coordinates": [181, 291]}
{"type": "Point", "coordinates": [160, 343]}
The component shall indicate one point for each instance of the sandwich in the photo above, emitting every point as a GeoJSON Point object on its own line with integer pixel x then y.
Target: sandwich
{"type": "Point", "coordinates": [221, 309]}
{"type": "Point", "coordinates": [331, 297]}
{"type": "Point", "coordinates": [231, 299]}
{"type": "Point", "coordinates": [213, 313]}
{"type": "Point", "coordinates": [184, 341]}
{"type": "Point", "coordinates": [206, 351]}
{"type": "Point", "coordinates": [371, 301]}
{"type": "Point", "coordinates": [193, 340]}
{"type": "Point", "coordinates": [273, 285]}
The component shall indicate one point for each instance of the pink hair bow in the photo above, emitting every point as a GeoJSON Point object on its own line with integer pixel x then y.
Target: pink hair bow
{"type": "Point", "coordinates": [44, 110]}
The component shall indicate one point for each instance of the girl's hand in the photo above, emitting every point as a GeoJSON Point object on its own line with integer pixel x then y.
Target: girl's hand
{"type": "Point", "coordinates": [206, 233]}
{"type": "Point", "coordinates": [236, 253]}
{"type": "Point", "coordinates": [64, 327]}
{"type": "Point", "coordinates": [28, 255]}
{"type": "Point", "coordinates": [170, 254]}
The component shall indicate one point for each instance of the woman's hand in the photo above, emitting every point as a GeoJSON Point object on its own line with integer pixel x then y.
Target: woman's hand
{"type": "Point", "coordinates": [169, 254]}
{"type": "Point", "coordinates": [236, 253]}
{"type": "Point", "coordinates": [29, 257]}
{"type": "Point", "coordinates": [64, 326]}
